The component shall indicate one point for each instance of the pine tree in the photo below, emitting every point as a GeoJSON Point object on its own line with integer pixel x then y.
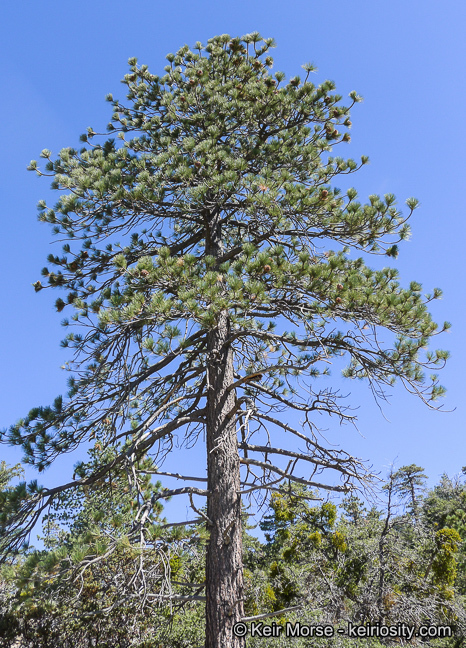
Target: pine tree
{"type": "Point", "coordinates": [409, 482]}
{"type": "Point", "coordinates": [207, 261]}
{"type": "Point", "coordinates": [92, 568]}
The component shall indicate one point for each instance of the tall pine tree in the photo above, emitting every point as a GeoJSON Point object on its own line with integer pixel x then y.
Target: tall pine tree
{"type": "Point", "coordinates": [206, 260]}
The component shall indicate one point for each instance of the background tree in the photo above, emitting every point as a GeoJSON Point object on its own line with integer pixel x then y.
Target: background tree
{"type": "Point", "coordinates": [92, 583]}
{"type": "Point", "coordinates": [380, 567]}
{"type": "Point", "coordinates": [206, 259]}
{"type": "Point", "coordinates": [445, 506]}
{"type": "Point", "coordinates": [317, 566]}
{"type": "Point", "coordinates": [409, 483]}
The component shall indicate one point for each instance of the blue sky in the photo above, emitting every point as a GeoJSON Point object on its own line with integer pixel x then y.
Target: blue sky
{"type": "Point", "coordinates": [407, 59]}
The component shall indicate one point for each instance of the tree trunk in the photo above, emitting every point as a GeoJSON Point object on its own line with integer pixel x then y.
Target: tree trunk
{"type": "Point", "coordinates": [224, 562]}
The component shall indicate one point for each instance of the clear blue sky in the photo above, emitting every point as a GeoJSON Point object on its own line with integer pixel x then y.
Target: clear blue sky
{"type": "Point", "coordinates": [407, 58]}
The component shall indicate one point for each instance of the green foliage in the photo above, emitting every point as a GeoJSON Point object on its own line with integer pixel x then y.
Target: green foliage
{"type": "Point", "coordinates": [213, 204]}
{"type": "Point", "coordinates": [444, 563]}
{"type": "Point", "coordinates": [96, 565]}
{"type": "Point", "coordinates": [327, 563]}
{"type": "Point", "coordinates": [218, 128]}
{"type": "Point", "coordinates": [8, 473]}
{"type": "Point", "coordinates": [368, 566]}
{"type": "Point", "coordinates": [445, 508]}
{"type": "Point", "coordinates": [409, 482]}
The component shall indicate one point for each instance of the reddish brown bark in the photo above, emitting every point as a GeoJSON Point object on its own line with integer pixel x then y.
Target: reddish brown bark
{"type": "Point", "coordinates": [224, 562]}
